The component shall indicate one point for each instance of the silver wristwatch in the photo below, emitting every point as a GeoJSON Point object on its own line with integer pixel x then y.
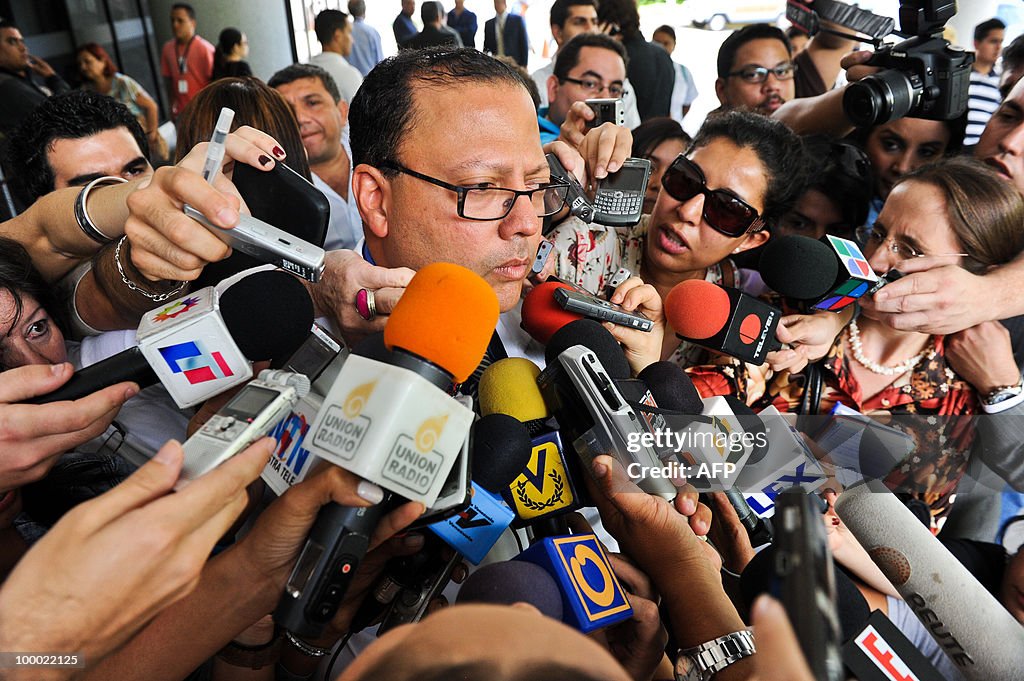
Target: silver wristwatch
{"type": "Point", "coordinates": [1002, 393]}
{"type": "Point", "coordinates": [704, 661]}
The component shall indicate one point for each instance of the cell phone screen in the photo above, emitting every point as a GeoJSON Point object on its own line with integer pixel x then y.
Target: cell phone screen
{"type": "Point", "coordinates": [628, 178]}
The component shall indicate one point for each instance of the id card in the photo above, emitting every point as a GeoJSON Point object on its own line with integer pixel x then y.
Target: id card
{"type": "Point", "coordinates": [182, 86]}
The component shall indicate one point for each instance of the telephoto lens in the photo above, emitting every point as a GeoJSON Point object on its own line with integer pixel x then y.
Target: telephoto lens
{"type": "Point", "coordinates": [880, 98]}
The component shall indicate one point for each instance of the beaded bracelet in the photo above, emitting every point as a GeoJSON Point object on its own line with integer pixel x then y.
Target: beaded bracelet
{"type": "Point", "coordinates": [304, 647]}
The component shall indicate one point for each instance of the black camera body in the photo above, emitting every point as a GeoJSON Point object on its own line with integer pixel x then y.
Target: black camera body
{"type": "Point", "coordinates": [923, 77]}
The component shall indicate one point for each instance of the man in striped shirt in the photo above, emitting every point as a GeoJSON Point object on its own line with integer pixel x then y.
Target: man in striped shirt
{"type": "Point", "coordinates": [984, 93]}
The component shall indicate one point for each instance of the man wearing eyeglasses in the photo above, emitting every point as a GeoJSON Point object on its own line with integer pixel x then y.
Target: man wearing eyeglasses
{"type": "Point", "coordinates": [447, 167]}
{"type": "Point", "coordinates": [755, 69]}
{"type": "Point", "coordinates": [570, 18]}
{"type": "Point", "coordinates": [590, 66]}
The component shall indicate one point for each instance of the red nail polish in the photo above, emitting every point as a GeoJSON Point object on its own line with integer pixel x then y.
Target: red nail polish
{"type": "Point", "coordinates": [279, 152]}
{"type": "Point", "coordinates": [263, 160]}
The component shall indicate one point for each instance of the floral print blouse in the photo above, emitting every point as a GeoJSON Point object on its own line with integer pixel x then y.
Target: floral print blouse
{"type": "Point", "coordinates": [590, 255]}
{"type": "Point", "coordinates": [941, 403]}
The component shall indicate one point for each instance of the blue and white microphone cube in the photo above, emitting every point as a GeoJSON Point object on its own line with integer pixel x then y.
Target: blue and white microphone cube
{"type": "Point", "coordinates": [592, 596]}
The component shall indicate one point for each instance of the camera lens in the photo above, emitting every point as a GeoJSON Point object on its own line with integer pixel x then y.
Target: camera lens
{"type": "Point", "coordinates": [880, 98]}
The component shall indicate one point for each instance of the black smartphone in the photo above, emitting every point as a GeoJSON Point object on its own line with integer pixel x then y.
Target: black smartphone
{"type": "Point", "coordinates": [619, 201]}
{"type": "Point", "coordinates": [283, 198]}
{"type": "Point", "coordinates": [805, 581]}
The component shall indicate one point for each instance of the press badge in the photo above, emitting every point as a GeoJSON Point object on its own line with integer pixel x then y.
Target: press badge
{"type": "Point", "coordinates": [182, 86]}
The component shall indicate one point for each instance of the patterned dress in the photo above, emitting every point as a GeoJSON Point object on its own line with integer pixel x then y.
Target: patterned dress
{"type": "Point", "coordinates": [590, 255]}
{"type": "Point", "coordinates": [932, 404]}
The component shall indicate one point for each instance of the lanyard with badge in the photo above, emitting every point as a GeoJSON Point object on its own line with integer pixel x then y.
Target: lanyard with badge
{"type": "Point", "coordinates": [183, 66]}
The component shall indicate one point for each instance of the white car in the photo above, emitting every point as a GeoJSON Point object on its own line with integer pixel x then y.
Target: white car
{"type": "Point", "coordinates": [718, 14]}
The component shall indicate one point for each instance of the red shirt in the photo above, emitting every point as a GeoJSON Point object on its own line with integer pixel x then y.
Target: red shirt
{"type": "Point", "coordinates": [197, 56]}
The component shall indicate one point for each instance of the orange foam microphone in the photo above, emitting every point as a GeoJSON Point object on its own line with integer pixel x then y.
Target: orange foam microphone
{"type": "Point", "coordinates": [723, 319]}
{"type": "Point", "coordinates": [446, 316]}
{"type": "Point", "coordinates": [542, 315]}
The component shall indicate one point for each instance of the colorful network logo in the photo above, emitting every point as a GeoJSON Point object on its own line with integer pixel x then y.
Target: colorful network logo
{"type": "Point", "coordinates": [855, 262]}
{"type": "Point", "coordinates": [176, 308]}
{"type": "Point", "coordinates": [197, 365]}
{"type": "Point", "coordinates": [860, 281]}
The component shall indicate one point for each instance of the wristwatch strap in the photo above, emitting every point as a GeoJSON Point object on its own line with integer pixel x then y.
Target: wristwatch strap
{"type": "Point", "coordinates": [704, 661]}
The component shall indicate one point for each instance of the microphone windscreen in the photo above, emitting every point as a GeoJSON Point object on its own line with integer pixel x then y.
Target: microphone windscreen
{"type": "Point", "coordinates": [977, 633]}
{"type": "Point", "coordinates": [268, 313]}
{"type": "Point", "coordinates": [752, 424]}
{"type": "Point", "coordinates": [542, 315]}
{"type": "Point", "coordinates": [594, 337]}
{"type": "Point", "coordinates": [501, 450]}
{"type": "Point", "coordinates": [697, 309]}
{"type": "Point", "coordinates": [447, 316]}
{"type": "Point", "coordinates": [514, 581]}
{"type": "Point", "coordinates": [799, 267]}
{"type": "Point", "coordinates": [672, 388]}
{"type": "Point", "coordinates": [509, 386]}
{"type": "Point", "coordinates": [851, 606]}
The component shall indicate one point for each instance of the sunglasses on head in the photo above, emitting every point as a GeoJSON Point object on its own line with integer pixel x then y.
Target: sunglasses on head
{"type": "Point", "coordinates": [724, 212]}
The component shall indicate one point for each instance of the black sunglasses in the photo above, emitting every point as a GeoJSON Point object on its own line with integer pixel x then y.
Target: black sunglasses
{"type": "Point", "coordinates": [723, 211]}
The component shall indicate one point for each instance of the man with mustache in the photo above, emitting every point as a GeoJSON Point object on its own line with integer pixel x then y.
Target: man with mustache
{"type": "Point", "coordinates": [757, 68]}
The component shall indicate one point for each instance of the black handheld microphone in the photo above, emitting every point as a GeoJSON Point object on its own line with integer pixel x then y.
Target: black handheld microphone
{"type": "Point", "coordinates": [391, 420]}
{"type": "Point", "coordinates": [827, 274]}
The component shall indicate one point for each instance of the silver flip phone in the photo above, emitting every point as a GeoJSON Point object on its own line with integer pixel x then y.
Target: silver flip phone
{"type": "Point", "coordinates": [268, 244]}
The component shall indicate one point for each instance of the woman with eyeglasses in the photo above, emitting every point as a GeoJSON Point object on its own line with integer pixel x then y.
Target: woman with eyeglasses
{"type": "Point", "coordinates": [963, 213]}
{"type": "Point", "coordinates": [740, 175]}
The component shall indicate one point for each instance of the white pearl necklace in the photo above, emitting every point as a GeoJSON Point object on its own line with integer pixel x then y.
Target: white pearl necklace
{"type": "Point", "coordinates": [875, 367]}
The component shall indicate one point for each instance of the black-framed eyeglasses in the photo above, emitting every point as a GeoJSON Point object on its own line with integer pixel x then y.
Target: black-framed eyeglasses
{"type": "Point", "coordinates": [596, 87]}
{"type": "Point", "coordinates": [759, 74]}
{"type": "Point", "coordinates": [494, 203]}
{"type": "Point", "coordinates": [724, 212]}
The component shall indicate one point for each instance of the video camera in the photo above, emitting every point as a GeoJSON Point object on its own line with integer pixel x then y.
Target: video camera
{"type": "Point", "coordinates": [922, 77]}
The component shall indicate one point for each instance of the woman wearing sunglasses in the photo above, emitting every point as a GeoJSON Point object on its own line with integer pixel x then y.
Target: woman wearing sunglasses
{"type": "Point", "coordinates": [963, 213]}
{"type": "Point", "coordinates": [741, 174]}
